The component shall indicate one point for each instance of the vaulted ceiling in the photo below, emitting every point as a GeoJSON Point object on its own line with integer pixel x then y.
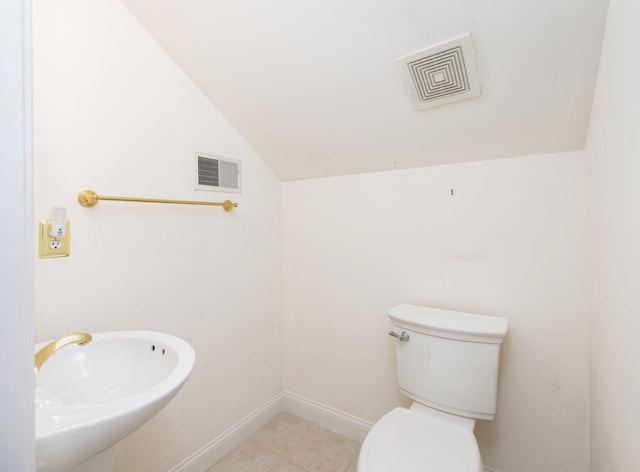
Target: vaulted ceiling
{"type": "Point", "coordinates": [315, 88]}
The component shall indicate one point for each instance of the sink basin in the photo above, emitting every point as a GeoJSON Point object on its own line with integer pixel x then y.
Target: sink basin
{"type": "Point", "coordinates": [90, 397]}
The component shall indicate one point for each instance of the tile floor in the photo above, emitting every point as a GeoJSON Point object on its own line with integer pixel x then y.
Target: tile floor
{"type": "Point", "coordinates": [291, 444]}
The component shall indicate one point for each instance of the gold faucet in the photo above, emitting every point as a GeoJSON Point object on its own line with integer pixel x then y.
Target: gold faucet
{"type": "Point", "coordinates": [54, 346]}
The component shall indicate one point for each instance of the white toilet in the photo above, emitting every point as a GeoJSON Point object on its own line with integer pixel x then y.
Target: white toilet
{"type": "Point", "coordinates": [448, 365]}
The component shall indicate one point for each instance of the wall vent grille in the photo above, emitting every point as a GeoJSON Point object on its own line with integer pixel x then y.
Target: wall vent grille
{"type": "Point", "coordinates": [208, 172]}
{"type": "Point", "coordinates": [217, 173]}
{"type": "Point", "coordinates": [441, 74]}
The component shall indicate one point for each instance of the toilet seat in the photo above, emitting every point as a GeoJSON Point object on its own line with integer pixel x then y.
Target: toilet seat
{"type": "Point", "coordinates": [403, 440]}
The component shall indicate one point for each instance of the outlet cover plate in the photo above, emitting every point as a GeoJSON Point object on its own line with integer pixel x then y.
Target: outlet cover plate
{"type": "Point", "coordinates": [45, 248]}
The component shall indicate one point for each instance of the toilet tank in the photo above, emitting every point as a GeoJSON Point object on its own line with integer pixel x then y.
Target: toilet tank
{"type": "Point", "coordinates": [450, 361]}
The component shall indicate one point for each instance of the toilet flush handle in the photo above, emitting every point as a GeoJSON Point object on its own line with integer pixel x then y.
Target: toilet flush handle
{"type": "Point", "coordinates": [404, 336]}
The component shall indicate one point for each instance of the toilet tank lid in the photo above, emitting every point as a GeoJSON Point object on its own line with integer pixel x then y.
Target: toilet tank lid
{"type": "Point", "coordinates": [449, 324]}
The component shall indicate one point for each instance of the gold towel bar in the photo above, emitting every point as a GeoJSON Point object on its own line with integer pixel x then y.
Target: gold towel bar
{"type": "Point", "coordinates": [89, 198]}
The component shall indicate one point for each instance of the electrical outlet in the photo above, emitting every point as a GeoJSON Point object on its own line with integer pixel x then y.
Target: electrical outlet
{"type": "Point", "coordinates": [55, 244]}
{"type": "Point", "coordinates": [50, 246]}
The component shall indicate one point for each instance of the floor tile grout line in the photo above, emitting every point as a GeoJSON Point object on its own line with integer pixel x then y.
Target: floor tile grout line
{"type": "Point", "coordinates": [354, 460]}
{"type": "Point", "coordinates": [284, 458]}
{"type": "Point", "coordinates": [287, 452]}
{"type": "Point", "coordinates": [279, 454]}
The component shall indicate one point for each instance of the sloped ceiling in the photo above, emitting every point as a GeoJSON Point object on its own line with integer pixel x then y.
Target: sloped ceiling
{"type": "Point", "coordinates": [314, 86]}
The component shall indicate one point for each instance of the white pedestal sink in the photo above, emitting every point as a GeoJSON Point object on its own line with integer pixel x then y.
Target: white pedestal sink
{"type": "Point", "coordinates": [90, 397]}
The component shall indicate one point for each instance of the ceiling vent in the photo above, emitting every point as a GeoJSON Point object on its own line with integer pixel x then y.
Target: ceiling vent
{"type": "Point", "coordinates": [443, 73]}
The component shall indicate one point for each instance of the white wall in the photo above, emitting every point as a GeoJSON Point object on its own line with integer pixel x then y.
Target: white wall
{"type": "Point", "coordinates": [510, 242]}
{"type": "Point", "coordinates": [16, 266]}
{"type": "Point", "coordinates": [114, 114]}
{"type": "Point", "coordinates": [614, 150]}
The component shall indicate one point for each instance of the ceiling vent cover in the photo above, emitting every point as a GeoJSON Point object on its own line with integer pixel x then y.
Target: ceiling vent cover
{"type": "Point", "coordinates": [443, 73]}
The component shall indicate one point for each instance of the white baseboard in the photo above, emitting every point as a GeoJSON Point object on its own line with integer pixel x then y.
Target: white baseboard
{"type": "Point", "coordinates": [325, 416]}
{"type": "Point", "coordinates": [206, 457]}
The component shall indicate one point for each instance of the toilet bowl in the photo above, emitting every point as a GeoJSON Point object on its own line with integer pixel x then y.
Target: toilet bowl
{"type": "Point", "coordinates": [403, 440]}
{"type": "Point", "coordinates": [448, 364]}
